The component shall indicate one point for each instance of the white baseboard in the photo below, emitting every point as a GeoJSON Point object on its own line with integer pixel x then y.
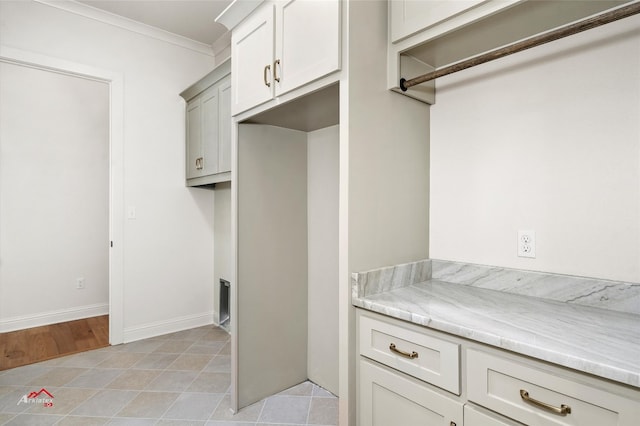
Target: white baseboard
{"type": "Point", "coordinates": [53, 317]}
{"type": "Point", "coordinates": [159, 328]}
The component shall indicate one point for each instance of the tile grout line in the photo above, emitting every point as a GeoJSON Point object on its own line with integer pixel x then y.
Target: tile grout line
{"type": "Point", "coordinates": [144, 353]}
{"type": "Point", "coordinates": [129, 368]}
{"type": "Point", "coordinates": [313, 389]}
{"type": "Point", "coordinates": [166, 369]}
{"type": "Point", "coordinates": [264, 404]}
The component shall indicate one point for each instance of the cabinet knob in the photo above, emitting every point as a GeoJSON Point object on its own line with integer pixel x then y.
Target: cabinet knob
{"type": "Point", "coordinates": [267, 68]}
{"type": "Point", "coordinates": [275, 70]}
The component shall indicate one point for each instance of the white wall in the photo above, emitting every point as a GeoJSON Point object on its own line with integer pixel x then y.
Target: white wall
{"type": "Point", "coordinates": [388, 154]}
{"type": "Point", "coordinates": [385, 162]}
{"type": "Point", "coordinates": [54, 196]}
{"type": "Point", "coordinates": [322, 239]}
{"type": "Point", "coordinates": [549, 140]}
{"type": "Point", "coordinates": [168, 248]}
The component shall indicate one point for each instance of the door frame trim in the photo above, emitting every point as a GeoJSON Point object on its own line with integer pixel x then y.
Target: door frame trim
{"type": "Point", "coordinates": [115, 81]}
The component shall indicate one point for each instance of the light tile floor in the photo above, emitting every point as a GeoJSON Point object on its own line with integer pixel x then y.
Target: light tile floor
{"type": "Point", "coordinates": [177, 379]}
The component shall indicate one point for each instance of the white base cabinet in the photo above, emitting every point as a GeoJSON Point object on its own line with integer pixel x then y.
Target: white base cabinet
{"type": "Point", "coordinates": [498, 388]}
{"type": "Point", "coordinates": [391, 398]}
{"type": "Point", "coordinates": [537, 397]}
{"type": "Point", "coordinates": [475, 416]}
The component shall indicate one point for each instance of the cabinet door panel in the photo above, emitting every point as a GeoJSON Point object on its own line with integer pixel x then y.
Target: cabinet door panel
{"type": "Point", "coordinates": [271, 322]}
{"type": "Point", "coordinates": [224, 144]}
{"type": "Point", "coordinates": [210, 131]}
{"type": "Point", "coordinates": [391, 398]}
{"type": "Point", "coordinates": [307, 41]}
{"type": "Point", "coordinates": [252, 44]}
{"type": "Point", "coordinates": [194, 137]}
{"type": "Point", "coordinates": [411, 16]}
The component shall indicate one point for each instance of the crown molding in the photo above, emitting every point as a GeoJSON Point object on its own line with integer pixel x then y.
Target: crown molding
{"type": "Point", "coordinates": [221, 44]}
{"type": "Point", "coordinates": [109, 18]}
{"type": "Point", "coordinates": [236, 12]}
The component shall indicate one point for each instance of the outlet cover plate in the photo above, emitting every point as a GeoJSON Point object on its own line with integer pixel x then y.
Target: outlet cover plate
{"type": "Point", "coordinates": [526, 243]}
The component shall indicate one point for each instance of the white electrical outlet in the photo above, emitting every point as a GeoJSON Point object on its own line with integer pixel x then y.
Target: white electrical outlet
{"type": "Point", "coordinates": [526, 243]}
{"type": "Point", "coordinates": [79, 283]}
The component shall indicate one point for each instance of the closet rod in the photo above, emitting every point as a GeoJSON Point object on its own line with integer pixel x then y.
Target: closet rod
{"type": "Point", "coordinates": [575, 28]}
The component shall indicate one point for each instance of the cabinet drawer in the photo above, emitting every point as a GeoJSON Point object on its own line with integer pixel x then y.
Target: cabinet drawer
{"type": "Point", "coordinates": [498, 383]}
{"type": "Point", "coordinates": [387, 397]}
{"type": "Point", "coordinates": [473, 416]}
{"type": "Point", "coordinates": [435, 361]}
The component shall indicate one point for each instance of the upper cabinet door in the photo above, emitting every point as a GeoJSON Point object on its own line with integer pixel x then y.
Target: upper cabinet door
{"type": "Point", "coordinates": [252, 46]}
{"type": "Point", "coordinates": [194, 137]}
{"type": "Point", "coordinates": [210, 131]}
{"type": "Point", "coordinates": [410, 16]}
{"type": "Point", "coordinates": [224, 148]}
{"type": "Point", "coordinates": [307, 42]}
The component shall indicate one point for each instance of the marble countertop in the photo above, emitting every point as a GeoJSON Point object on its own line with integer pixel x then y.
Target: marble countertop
{"type": "Point", "coordinates": [602, 342]}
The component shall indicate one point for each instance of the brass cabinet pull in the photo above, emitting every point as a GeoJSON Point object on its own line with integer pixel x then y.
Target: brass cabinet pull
{"type": "Point", "coordinates": [412, 355]}
{"type": "Point", "coordinates": [264, 75]}
{"type": "Point", "coordinates": [452, 424]}
{"type": "Point", "coordinates": [562, 410]}
{"type": "Point", "coordinates": [275, 70]}
{"type": "Point", "coordinates": [199, 163]}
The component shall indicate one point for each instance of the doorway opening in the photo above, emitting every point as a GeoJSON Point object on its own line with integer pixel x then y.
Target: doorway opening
{"type": "Point", "coordinates": [60, 185]}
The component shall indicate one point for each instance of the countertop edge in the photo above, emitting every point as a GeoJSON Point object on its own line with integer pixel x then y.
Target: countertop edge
{"type": "Point", "coordinates": [622, 376]}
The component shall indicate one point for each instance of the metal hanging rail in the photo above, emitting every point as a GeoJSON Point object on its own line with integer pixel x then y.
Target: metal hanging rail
{"type": "Point", "coordinates": [575, 28]}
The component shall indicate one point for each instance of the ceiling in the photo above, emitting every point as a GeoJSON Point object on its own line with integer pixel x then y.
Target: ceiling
{"type": "Point", "coordinates": [193, 19]}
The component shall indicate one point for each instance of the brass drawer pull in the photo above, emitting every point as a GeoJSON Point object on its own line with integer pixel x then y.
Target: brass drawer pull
{"type": "Point", "coordinates": [563, 410]}
{"type": "Point", "coordinates": [275, 70]}
{"type": "Point", "coordinates": [412, 355]}
{"type": "Point", "coordinates": [267, 68]}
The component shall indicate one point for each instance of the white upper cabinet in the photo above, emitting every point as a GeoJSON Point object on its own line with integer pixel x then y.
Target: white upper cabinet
{"type": "Point", "coordinates": [210, 131]}
{"type": "Point", "coordinates": [253, 52]}
{"type": "Point", "coordinates": [307, 42]}
{"type": "Point", "coordinates": [224, 114]}
{"type": "Point", "coordinates": [194, 138]}
{"type": "Point", "coordinates": [410, 16]}
{"type": "Point", "coordinates": [282, 46]}
{"type": "Point", "coordinates": [208, 128]}
{"type": "Point", "coordinates": [425, 35]}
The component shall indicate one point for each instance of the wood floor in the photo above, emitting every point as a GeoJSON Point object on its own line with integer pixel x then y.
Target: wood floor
{"type": "Point", "coordinates": [51, 341]}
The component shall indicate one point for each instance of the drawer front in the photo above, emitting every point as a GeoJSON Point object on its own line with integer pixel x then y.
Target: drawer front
{"type": "Point", "coordinates": [473, 416]}
{"type": "Point", "coordinates": [434, 360]}
{"type": "Point", "coordinates": [520, 391]}
{"type": "Point", "coordinates": [387, 397]}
